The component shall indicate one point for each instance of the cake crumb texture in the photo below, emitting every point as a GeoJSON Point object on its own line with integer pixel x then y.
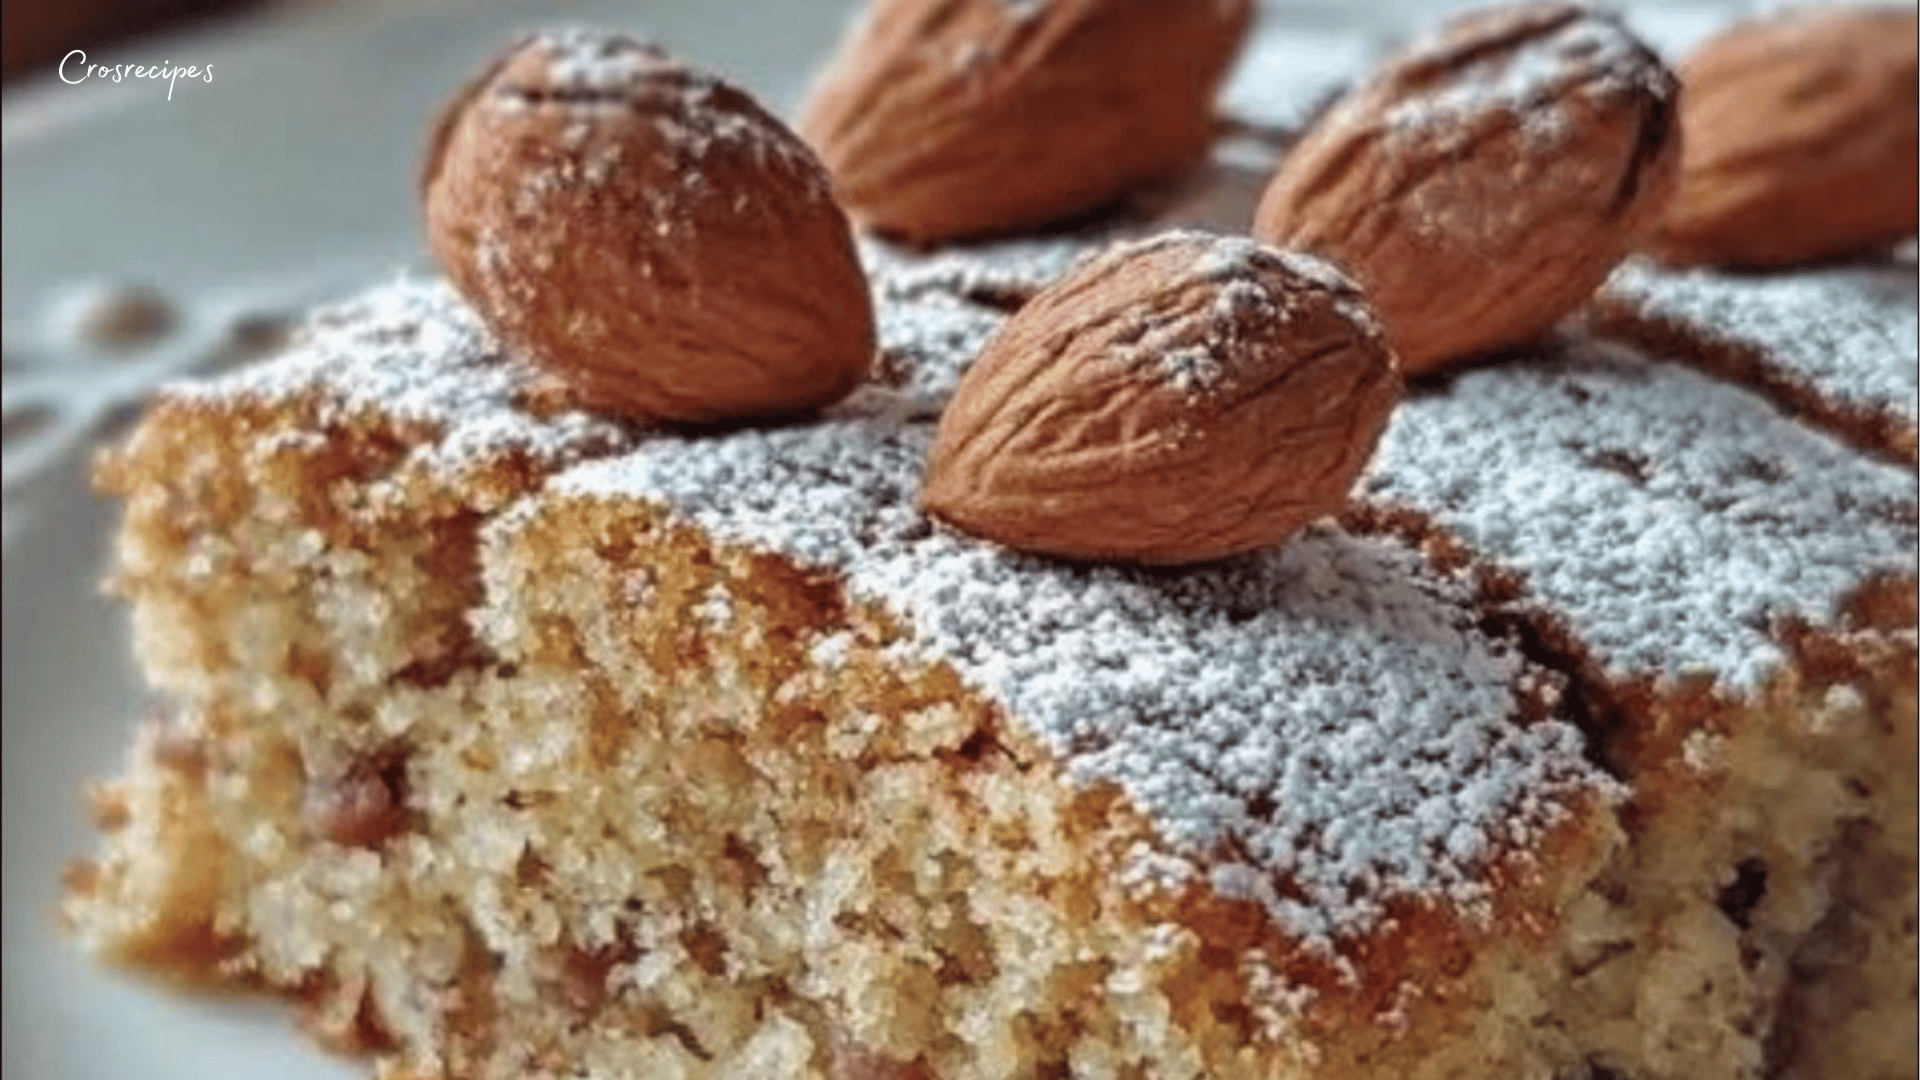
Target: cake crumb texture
{"type": "Point", "coordinates": [708, 756]}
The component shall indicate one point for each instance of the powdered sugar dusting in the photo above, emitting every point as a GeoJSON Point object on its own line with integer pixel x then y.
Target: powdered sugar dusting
{"type": "Point", "coordinates": [1005, 268]}
{"type": "Point", "coordinates": [1242, 273]}
{"type": "Point", "coordinates": [413, 352]}
{"type": "Point", "coordinates": [1849, 334]}
{"type": "Point", "coordinates": [582, 58]}
{"type": "Point", "coordinates": [1671, 519]}
{"type": "Point", "coordinates": [1323, 725]}
{"type": "Point", "coordinates": [927, 341]}
{"type": "Point", "coordinates": [1193, 369]}
{"type": "Point", "coordinates": [1348, 298]}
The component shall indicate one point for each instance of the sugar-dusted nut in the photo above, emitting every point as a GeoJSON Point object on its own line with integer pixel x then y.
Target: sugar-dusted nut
{"type": "Point", "coordinates": [646, 233]}
{"type": "Point", "coordinates": [1175, 400]}
{"type": "Point", "coordinates": [950, 118]}
{"type": "Point", "coordinates": [1802, 139]}
{"type": "Point", "coordinates": [1482, 184]}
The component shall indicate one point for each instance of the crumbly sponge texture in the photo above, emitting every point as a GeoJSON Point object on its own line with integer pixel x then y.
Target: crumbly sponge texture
{"type": "Point", "coordinates": [1694, 954]}
{"type": "Point", "coordinates": [640, 825]}
{"type": "Point", "coordinates": [1853, 1007]}
{"type": "Point", "coordinates": [641, 829]}
{"type": "Point", "coordinates": [268, 536]}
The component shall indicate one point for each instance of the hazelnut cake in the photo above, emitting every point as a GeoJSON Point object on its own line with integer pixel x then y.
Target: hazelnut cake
{"type": "Point", "coordinates": [512, 739]}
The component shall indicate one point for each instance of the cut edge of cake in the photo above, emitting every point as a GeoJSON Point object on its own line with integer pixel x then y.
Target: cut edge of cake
{"type": "Point", "coordinates": [366, 731]}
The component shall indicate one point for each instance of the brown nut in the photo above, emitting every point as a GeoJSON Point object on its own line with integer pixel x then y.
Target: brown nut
{"type": "Point", "coordinates": [1176, 400]}
{"type": "Point", "coordinates": [646, 233]}
{"type": "Point", "coordinates": [942, 119]}
{"type": "Point", "coordinates": [1803, 140]}
{"type": "Point", "coordinates": [1485, 182]}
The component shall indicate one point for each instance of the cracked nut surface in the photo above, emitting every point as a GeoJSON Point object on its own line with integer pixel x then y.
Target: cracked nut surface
{"type": "Point", "coordinates": [647, 234]}
{"type": "Point", "coordinates": [1482, 184]}
{"type": "Point", "coordinates": [1176, 400]}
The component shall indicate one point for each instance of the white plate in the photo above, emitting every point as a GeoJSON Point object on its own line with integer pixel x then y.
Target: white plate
{"type": "Point", "coordinates": [289, 177]}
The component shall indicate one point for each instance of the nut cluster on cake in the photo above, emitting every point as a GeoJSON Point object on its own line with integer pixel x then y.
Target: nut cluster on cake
{"type": "Point", "coordinates": [669, 252]}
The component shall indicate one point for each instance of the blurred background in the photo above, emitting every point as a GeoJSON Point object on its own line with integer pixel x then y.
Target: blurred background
{"type": "Point", "coordinates": [39, 32]}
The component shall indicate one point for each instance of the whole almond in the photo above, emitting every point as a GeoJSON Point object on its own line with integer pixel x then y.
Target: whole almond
{"type": "Point", "coordinates": [1803, 133]}
{"type": "Point", "coordinates": [942, 119]}
{"type": "Point", "coordinates": [1175, 400]}
{"type": "Point", "coordinates": [647, 234]}
{"type": "Point", "coordinates": [1483, 184]}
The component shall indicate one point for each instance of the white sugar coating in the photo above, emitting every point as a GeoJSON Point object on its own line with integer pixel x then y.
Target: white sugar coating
{"type": "Point", "coordinates": [1288, 72]}
{"type": "Point", "coordinates": [1226, 258]}
{"type": "Point", "coordinates": [708, 123]}
{"type": "Point", "coordinates": [1190, 370]}
{"type": "Point", "coordinates": [996, 268]}
{"type": "Point", "coordinates": [1349, 299]}
{"type": "Point", "coordinates": [585, 58]}
{"type": "Point", "coordinates": [1669, 517]}
{"type": "Point", "coordinates": [412, 351]}
{"type": "Point", "coordinates": [927, 341]}
{"type": "Point", "coordinates": [1850, 334]}
{"type": "Point", "coordinates": [1590, 55]}
{"type": "Point", "coordinates": [1235, 266]}
{"type": "Point", "coordinates": [924, 302]}
{"type": "Point", "coordinates": [1234, 262]}
{"type": "Point", "coordinates": [1323, 721]}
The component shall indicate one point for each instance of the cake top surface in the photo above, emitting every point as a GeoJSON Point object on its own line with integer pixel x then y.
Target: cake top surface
{"type": "Point", "coordinates": [995, 269]}
{"type": "Point", "coordinates": [1322, 727]}
{"type": "Point", "coordinates": [1326, 715]}
{"type": "Point", "coordinates": [413, 352]}
{"type": "Point", "coordinates": [1669, 517]}
{"type": "Point", "coordinates": [1849, 333]}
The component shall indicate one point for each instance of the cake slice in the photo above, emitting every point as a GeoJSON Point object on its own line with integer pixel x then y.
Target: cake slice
{"type": "Point", "coordinates": [747, 769]}
{"type": "Point", "coordinates": [741, 767]}
{"type": "Point", "coordinates": [513, 741]}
